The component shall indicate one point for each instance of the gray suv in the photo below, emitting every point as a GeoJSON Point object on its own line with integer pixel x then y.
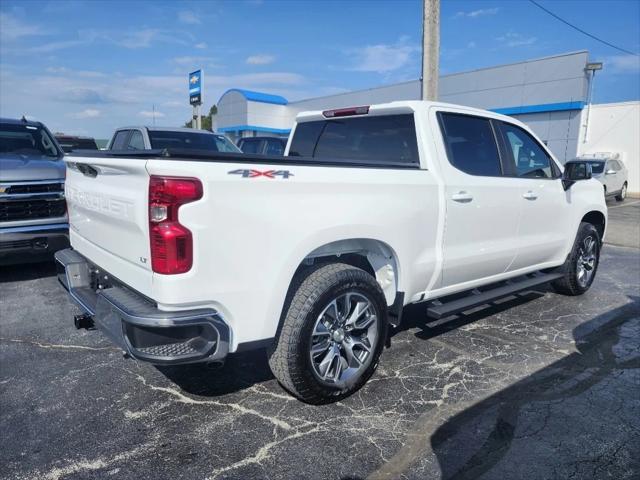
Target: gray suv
{"type": "Point", "coordinates": [33, 213]}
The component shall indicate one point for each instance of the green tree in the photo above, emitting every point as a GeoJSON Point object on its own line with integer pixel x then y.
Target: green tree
{"type": "Point", "coordinates": [207, 121]}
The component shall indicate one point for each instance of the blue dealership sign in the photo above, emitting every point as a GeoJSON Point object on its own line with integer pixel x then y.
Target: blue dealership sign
{"type": "Point", "coordinates": [195, 87]}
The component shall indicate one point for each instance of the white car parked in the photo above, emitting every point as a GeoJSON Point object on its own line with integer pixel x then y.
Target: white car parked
{"type": "Point", "coordinates": [613, 175]}
{"type": "Point", "coordinates": [184, 258]}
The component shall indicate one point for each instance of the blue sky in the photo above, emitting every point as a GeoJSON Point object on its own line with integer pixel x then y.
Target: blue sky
{"type": "Point", "coordinates": [87, 67]}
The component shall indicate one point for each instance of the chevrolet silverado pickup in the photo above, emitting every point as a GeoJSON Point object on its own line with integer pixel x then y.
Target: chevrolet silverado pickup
{"type": "Point", "coordinates": [184, 256]}
{"type": "Point", "coordinates": [33, 215]}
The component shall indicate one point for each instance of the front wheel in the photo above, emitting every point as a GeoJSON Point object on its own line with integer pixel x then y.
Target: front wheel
{"type": "Point", "coordinates": [582, 263]}
{"type": "Point", "coordinates": [332, 334]}
{"type": "Point", "coordinates": [623, 193]}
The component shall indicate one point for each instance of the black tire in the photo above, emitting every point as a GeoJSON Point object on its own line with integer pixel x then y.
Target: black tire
{"type": "Point", "coordinates": [570, 284]}
{"type": "Point", "coordinates": [623, 193]}
{"type": "Point", "coordinates": [311, 292]}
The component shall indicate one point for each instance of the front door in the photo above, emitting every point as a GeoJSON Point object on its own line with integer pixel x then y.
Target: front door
{"type": "Point", "coordinates": [545, 218]}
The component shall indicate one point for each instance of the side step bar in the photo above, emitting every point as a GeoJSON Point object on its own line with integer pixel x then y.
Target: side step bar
{"type": "Point", "coordinates": [476, 299]}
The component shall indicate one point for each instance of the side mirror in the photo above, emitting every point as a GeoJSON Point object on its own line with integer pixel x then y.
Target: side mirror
{"type": "Point", "coordinates": [610, 172]}
{"type": "Point", "coordinates": [574, 172]}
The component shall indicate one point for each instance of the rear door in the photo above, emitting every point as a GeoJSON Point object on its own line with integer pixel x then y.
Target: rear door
{"type": "Point", "coordinates": [107, 203]}
{"type": "Point", "coordinates": [483, 206]}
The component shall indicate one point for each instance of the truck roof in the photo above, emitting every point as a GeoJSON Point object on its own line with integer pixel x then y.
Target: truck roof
{"type": "Point", "coordinates": [23, 121]}
{"type": "Point", "coordinates": [406, 106]}
{"type": "Point", "coordinates": [166, 129]}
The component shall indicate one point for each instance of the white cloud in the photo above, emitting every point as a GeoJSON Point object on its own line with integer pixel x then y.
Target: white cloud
{"type": "Point", "coordinates": [477, 13]}
{"type": "Point", "coordinates": [622, 64]}
{"type": "Point", "coordinates": [11, 28]}
{"type": "Point", "coordinates": [513, 39]}
{"type": "Point", "coordinates": [151, 114]}
{"type": "Point", "coordinates": [56, 97]}
{"type": "Point", "coordinates": [79, 73]}
{"type": "Point", "coordinates": [138, 39]}
{"type": "Point", "coordinates": [191, 60]}
{"type": "Point", "coordinates": [189, 17]}
{"type": "Point", "coordinates": [382, 58]}
{"type": "Point", "coordinates": [260, 59]}
{"type": "Point", "coordinates": [88, 113]}
{"type": "Point", "coordinates": [201, 45]}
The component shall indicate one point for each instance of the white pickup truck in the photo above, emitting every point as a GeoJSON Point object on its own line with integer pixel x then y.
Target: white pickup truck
{"type": "Point", "coordinates": [188, 256]}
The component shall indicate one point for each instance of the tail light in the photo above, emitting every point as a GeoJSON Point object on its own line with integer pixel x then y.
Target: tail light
{"type": "Point", "coordinates": [171, 242]}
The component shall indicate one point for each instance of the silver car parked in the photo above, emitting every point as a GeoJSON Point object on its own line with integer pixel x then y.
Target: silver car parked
{"type": "Point", "coordinates": [613, 175]}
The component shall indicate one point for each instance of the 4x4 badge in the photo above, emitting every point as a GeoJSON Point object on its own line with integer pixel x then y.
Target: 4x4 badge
{"type": "Point", "coordinates": [251, 173]}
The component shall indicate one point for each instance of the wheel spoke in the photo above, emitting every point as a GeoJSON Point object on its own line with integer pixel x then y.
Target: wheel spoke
{"type": "Point", "coordinates": [321, 329]}
{"type": "Point", "coordinates": [320, 347]}
{"type": "Point", "coordinates": [331, 312]}
{"type": "Point", "coordinates": [360, 308]}
{"type": "Point", "coordinates": [327, 361]}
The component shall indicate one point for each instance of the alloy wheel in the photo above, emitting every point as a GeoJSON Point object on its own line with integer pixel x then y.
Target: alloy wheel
{"type": "Point", "coordinates": [343, 338]}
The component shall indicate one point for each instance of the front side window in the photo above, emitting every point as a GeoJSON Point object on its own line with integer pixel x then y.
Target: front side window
{"type": "Point", "coordinates": [250, 146]}
{"type": "Point", "coordinates": [528, 157]}
{"type": "Point", "coordinates": [27, 140]}
{"type": "Point", "coordinates": [274, 147]}
{"type": "Point", "coordinates": [136, 142]}
{"type": "Point", "coordinates": [374, 139]}
{"type": "Point", "coordinates": [471, 144]}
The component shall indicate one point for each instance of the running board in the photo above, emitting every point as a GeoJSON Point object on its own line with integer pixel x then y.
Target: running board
{"type": "Point", "coordinates": [481, 298]}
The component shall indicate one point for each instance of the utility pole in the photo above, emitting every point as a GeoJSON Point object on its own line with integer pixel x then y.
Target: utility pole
{"type": "Point", "coordinates": [430, 48]}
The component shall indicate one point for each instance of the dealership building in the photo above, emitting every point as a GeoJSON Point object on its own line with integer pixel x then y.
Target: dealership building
{"type": "Point", "coordinates": [549, 94]}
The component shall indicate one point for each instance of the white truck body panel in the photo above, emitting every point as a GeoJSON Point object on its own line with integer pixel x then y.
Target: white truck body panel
{"type": "Point", "coordinates": [251, 235]}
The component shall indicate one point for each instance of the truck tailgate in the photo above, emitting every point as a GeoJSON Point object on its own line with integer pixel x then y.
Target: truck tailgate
{"type": "Point", "coordinates": [107, 203]}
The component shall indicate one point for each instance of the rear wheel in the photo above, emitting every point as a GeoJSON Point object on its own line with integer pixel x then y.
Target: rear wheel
{"type": "Point", "coordinates": [623, 193]}
{"type": "Point", "coordinates": [581, 265]}
{"type": "Point", "coordinates": [332, 334]}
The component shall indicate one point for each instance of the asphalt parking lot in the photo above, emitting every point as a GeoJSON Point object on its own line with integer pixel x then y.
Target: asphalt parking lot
{"type": "Point", "coordinates": [535, 386]}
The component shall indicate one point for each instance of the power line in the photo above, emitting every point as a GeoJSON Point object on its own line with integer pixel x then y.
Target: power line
{"type": "Point", "coordinates": [582, 31]}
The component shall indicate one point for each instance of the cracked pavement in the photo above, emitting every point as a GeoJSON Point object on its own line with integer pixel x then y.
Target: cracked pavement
{"type": "Point", "coordinates": [535, 386]}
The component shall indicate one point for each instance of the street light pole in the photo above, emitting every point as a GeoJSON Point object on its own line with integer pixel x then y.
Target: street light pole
{"type": "Point", "coordinates": [430, 48]}
{"type": "Point", "coordinates": [592, 68]}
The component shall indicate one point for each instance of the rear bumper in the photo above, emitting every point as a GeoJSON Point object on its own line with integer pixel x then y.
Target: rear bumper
{"type": "Point", "coordinates": [32, 242]}
{"type": "Point", "coordinates": [135, 324]}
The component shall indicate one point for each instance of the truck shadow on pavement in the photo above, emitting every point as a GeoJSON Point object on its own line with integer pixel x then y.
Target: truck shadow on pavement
{"type": "Point", "coordinates": [240, 371]}
{"type": "Point", "coordinates": [543, 413]}
{"type": "Point", "coordinates": [27, 271]}
{"type": "Point", "coordinates": [243, 370]}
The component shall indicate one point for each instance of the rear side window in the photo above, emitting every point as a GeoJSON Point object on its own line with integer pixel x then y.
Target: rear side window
{"type": "Point", "coordinates": [528, 157]}
{"type": "Point", "coordinates": [120, 140]}
{"type": "Point", "coordinates": [375, 139]}
{"type": "Point", "coordinates": [471, 144]}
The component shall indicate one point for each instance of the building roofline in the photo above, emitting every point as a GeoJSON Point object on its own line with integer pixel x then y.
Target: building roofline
{"type": "Point", "coordinates": [260, 97]}
{"type": "Point", "coordinates": [447, 75]}
{"type": "Point", "coordinates": [517, 63]}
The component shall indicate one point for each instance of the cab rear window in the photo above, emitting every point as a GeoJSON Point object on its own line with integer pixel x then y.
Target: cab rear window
{"type": "Point", "coordinates": [374, 139]}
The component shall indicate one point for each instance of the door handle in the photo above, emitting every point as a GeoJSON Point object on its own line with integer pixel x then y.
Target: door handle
{"type": "Point", "coordinates": [530, 195]}
{"type": "Point", "coordinates": [462, 197]}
